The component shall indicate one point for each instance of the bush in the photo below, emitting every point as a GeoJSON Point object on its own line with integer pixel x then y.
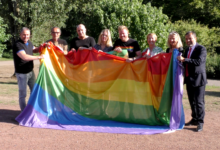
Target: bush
{"type": "Point", "coordinates": [205, 36]}
{"type": "Point", "coordinates": [213, 66]}
{"type": "Point", "coordinates": [3, 36]}
{"type": "Point", "coordinates": [8, 54]}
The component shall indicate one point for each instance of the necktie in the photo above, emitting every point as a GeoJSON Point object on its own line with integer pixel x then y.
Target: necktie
{"type": "Point", "coordinates": [187, 73]}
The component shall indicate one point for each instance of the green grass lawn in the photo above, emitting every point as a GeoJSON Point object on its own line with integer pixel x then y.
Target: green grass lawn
{"type": "Point", "coordinates": [5, 59]}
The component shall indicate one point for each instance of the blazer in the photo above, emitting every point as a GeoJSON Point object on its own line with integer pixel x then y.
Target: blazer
{"type": "Point", "coordinates": [196, 66]}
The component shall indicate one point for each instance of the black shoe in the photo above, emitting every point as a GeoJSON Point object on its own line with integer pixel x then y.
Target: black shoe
{"type": "Point", "coordinates": [199, 128]}
{"type": "Point", "coordinates": [14, 120]}
{"type": "Point", "coordinates": [191, 123]}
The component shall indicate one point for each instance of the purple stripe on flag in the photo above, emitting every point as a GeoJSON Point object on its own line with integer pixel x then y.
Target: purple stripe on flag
{"type": "Point", "coordinates": [176, 109]}
{"type": "Point", "coordinates": [38, 120]}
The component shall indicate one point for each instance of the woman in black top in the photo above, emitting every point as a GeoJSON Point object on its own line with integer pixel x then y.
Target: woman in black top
{"type": "Point", "coordinates": [174, 42]}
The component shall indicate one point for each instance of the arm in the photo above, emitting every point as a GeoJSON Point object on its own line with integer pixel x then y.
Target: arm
{"type": "Point", "coordinates": [73, 45]}
{"type": "Point", "coordinates": [200, 57]}
{"type": "Point", "coordinates": [65, 48]}
{"type": "Point", "coordinates": [36, 49]}
{"type": "Point", "coordinates": [146, 56]}
{"type": "Point", "coordinates": [93, 43]}
{"type": "Point", "coordinates": [146, 53]}
{"type": "Point", "coordinates": [22, 54]}
{"type": "Point", "coordinates": [138, 53]}
{"type": "Point", "coordinates": [82, 48]}
{"type": "Point", "coordinates": [180, 50]}
{"type": "Point", "coordinates": [65, 52]}
{"type": "Point", "coordinates": [98, 48]}
{"type": "Point", "coordinates": [118, 49]}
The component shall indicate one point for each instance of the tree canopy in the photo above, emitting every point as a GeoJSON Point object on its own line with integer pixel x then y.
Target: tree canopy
{"type": "Point", "coordinates": [203, 11]}
{"type": "Point", "coordinates": [38, 15]}
{"type": "Point", "coordinates": [3, 36]}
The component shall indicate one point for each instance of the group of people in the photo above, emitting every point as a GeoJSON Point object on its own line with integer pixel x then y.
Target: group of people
{"type": "Point", "coordinates": [104, 44]}
{"type": "Point", "coordinates": [194, 60]}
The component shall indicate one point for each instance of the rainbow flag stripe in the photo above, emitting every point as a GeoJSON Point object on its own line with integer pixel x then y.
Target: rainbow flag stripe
{"type": "Point", "coordinates": [95, 91]}
{"type": "Point", "coordinates": [128, 48]}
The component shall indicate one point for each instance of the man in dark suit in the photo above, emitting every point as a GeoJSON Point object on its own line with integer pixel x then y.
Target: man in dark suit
{"type": "Point", "coordinates": [194, 61]}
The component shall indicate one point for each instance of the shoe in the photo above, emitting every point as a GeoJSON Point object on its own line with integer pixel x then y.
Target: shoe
{"type": "Point", "coordinates": [191, 123]}
{"type": "Point", "coordinates": [14, 120]}
{"type": "Point", "coordinates": [199, 128]}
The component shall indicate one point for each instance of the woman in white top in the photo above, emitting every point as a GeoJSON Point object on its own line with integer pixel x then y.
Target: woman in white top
{"type": "Point", "coordinates": [152, 50]}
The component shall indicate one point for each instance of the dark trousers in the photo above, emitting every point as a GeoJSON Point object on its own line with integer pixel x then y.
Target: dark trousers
{"type": "Point", "coordinates": [197, 102]}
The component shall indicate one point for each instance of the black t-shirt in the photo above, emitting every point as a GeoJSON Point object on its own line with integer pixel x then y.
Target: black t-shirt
{"type": "Point", "coordinates": [87, 42]}
{"type": "Point", "coordinates": [131, 46]}
{"type": "Point", "coordinates": [22, 66]}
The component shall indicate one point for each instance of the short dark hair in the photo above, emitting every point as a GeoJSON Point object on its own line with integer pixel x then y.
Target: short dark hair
{"type": "Point", "coordinates": [24, 28]}
{"type": "Point", "coordinates": [54, 28]}
{"type": "Point", "coordinates": [191, 32]}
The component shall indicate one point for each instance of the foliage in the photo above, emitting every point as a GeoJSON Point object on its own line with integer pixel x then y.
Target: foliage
{"type": "Point", "coordinates": [204, 11]}
{"type": "Point", "coordinates": [213, 66]}
{"type": "Point", "coordinates": [8, 54]}
{"type": "Point", "coordinates": [205, 36]}
{"type": "Point", "coordinates": [3, 36]}
{"type": "Point", "coordinates": [140, 19]}
{"type": "Point", "coordinates": [38, 15]}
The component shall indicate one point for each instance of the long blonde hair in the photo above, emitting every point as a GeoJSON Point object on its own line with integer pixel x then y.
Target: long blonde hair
{"type": "Point", "coordinates": [179, 42]}
{"type": "Point", "coordinates": [109, 41]}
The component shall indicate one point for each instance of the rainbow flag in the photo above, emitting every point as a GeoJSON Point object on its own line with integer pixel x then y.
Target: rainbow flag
{"type": "Point", "coordinates": [94, 91]}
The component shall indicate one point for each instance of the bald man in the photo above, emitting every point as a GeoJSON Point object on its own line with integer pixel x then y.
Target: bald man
{"type": "Point", "coordinates": [83, 41]}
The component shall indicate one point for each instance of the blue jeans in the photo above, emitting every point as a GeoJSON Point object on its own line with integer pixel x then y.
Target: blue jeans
{"type": "Point", "coordinates": [23, 81]}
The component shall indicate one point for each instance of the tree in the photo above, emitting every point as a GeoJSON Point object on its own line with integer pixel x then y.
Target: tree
{"type": "Point", "coordinates": [3, 36]}
{"type": "Point", "coordinates": [140, 19]}
{"type": "Point", "coordinates": [203, 11]}
{"type": "Point", "coordinates": [38, 15]}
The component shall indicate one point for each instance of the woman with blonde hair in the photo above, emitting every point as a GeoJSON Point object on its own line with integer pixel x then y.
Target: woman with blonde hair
{"type": "Point", "coordinates": [152, 50]}
{"type": "Point", "coordinates": [174, 42]}
{"type": "Point", "coordinates": [104, 42]}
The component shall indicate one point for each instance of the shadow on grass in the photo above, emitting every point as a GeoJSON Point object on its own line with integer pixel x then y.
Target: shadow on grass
{"type": "Point", "coordinates": [212, 93]}
{"type": "Point", "coordinates": [10, 82]}
{"type": "Point", "coordinates": [8, 116]}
